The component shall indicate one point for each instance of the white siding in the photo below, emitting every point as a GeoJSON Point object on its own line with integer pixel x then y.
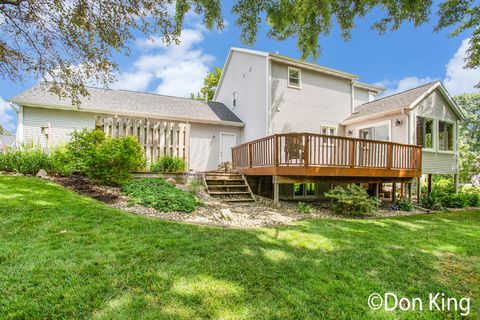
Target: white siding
{"type": "Point", "coordinates": [204, 148]}
{"type": "Point", "coordinates": [246, 75]}
{"type": "Point", "coordinates": [435, 162]}
{"type": "Point", "coordinates": [62, 123]}
{"type": "Point", "coordinates": [322, 100]}
{"type": "Point", "coordinates": [398, 133]}
{"type": "Point", "coordinates": [360, 96]}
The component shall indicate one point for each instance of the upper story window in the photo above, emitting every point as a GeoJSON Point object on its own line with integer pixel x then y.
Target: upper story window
{"type": "Point", "coordinates": [294, 77]}
{"type": "Point", "coordinates": [445, 136]}
{"type": "Point", "coordinates": [425, 132]}
{"type": "Point", "coordinates": [234, 99]}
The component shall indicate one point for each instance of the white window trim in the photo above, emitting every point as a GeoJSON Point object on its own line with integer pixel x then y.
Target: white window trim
{"type": "Point", "coordinates": [454, 137]}
{"type": "Point", "coordinates": [299, 78]}
{"type": "Point", "coordinates": [328, 127]}
{"type": "Point", "coordinates": [434, 136]}
{"type": "Point", "coordinates": [305, 196]}
{"type": "Point", "coordinates": [376, 124]}
{"type": "Point", "coordinates": [220, 146]}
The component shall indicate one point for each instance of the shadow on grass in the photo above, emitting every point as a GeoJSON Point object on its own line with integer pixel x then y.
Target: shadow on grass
{"type": "Point", "coordinates": [67, 256]}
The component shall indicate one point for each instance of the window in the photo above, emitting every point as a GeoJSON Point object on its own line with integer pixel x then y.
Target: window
{"type": "Point", "coordinates": [301, 190]}
{"type": "Point", "coordinates": [445, 136]}
{"type": "Point", "coordinates": [378, 131]}
{"type": "Point", "coordinates": [294, 77]}
{"type": "Point", "coordinates": [234, 99]}
{"type": "Point", "coordinates": [329, 131]}
{"type": "Point", "coordinates": [425, 132]}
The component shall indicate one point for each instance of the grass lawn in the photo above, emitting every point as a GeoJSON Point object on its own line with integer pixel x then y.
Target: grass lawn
{"type": "Point", "coordinates": [71, 257]}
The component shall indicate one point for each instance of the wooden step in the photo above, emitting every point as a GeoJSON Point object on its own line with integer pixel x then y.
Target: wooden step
{"type": "Point", "coordinates": [227, 186]}
{"type": "Point", "coordinates": [210, 179]}
{"type": "Point", "coordinates": [238, 200]}
{"type": "Point", "coordinates": [229, 192]}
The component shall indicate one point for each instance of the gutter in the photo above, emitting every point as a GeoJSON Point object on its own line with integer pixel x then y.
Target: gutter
{"type": "Point", "coordinates": [352, 95]}
{"type": "Point", "coordinates": [371, 116]}
{"type": "Point", "coordinates": [19, 110]}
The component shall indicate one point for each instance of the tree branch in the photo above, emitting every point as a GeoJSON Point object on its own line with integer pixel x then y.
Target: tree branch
{"type": "Point", "coordinates": [11, 2]}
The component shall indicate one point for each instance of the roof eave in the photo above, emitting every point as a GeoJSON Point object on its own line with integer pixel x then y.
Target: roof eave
{"type": "Point", "coordinates": [371, 116]}
{"type": "Point", "coordinates": [369, 87]}
{"type": "Point", "coordinates": [122, 113]}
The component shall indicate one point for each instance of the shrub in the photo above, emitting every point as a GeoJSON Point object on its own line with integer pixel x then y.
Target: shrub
{"type": "Point", "coordinates": [444, 185]}
{"type": "Point", "coordinates": [195, 186]}
{"type": "Point", "coordinates": [159, 194]}
{"type": "Point", "coordinates": [27, 159]}
{"type": "Point", "coordinates": [168, 164]}
{"type": "Point", "coordinates": [351, 200]}
{"type": "Point", "coordinates": [431, 201]}
{"type": "Point", "coordinates": [455, 200]}
{"type": "Point", "coordinates": [61, 162]}
{"type": "Point", "coordinates": [108, 160]}
{"type": "Point", "coordinates": [473, 195]}
{"type": "Point", "coordinates": [303, 207]}
{"type": "Point", "coordinates": [404, 205]}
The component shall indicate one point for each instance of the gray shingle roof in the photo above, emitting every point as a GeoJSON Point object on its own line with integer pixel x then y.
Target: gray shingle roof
{"type": "Point", "coordinates": [393, 102]}
{"type": "Point", "coordinates": [132, 103]}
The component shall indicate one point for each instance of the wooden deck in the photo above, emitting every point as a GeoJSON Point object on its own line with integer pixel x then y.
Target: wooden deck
{"type": "Point", "coordinates": [310, 154]}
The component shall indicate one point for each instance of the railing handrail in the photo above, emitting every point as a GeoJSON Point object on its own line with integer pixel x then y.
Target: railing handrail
{"type": "Point", "coordinates": [380, 154]}
{"type": "Point", "coordinates": [325, 136]}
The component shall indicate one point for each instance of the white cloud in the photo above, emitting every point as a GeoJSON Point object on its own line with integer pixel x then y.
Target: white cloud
{"type": "Point", "coordinates": [457, 79]}
{"type": "Point", "coordinates": [7, 120]}
{"type": "Point", "coordinates": [176, 70]}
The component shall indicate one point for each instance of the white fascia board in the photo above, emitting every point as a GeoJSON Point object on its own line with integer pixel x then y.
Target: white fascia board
{"type": "Point", "coordinates": [371, 116]}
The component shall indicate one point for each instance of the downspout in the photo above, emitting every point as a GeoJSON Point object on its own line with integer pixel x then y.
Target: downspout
{"type": "Point", "coordinates": [352, 95]}
{"type": "Point", "coordinates": [19, 110]}
{"type": "Point", "coordinates": [268, 97]}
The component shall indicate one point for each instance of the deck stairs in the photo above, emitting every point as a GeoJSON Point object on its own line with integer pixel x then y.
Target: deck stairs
{"type": "Point", "coordinates": [228, 186]}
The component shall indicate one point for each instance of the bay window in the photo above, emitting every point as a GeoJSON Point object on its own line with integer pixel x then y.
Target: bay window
{"type": "Point", "coordinates": [445, 136]}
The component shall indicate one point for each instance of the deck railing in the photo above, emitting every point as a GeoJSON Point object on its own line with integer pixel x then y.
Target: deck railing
{"type": "Point", "coordinates": [310, 149]}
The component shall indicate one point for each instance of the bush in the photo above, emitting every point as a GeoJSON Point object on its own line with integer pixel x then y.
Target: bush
{"type": "Point", "coordinates": [61, 162]}
{"type": "Point", "coordinates": [159, 194]}
{"type": "Point", "coordinates": [195, 186]}
{"type": "Point", "coordinates": [431, 201]}
{"type": "Point", "coordinates": [444, 185]}
{"type": "Point", "coordinates": [108, 160]}
{"type": "Point", "coordinates": [473, 195]}
{"type": "Point", "coordinates": [168, 164]}
{"type": "Point", "coordinates": [27, 159]}
{"type": "Point", "coordinates": [455, 200]}
{"type": "Point", "coordinates": [351, 200]}
{"type": "Point", "coordinates": [303, 207]}
{"type": "Point", "coordinates": [404, 205]}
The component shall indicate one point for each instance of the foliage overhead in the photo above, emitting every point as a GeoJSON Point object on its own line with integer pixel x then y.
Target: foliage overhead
{"type": "Point", "coordinates": [3, 131]}
{"type": "Point", "coordinates": [210, 83]}
{"type": "Point", "coordinates": [71, 42]}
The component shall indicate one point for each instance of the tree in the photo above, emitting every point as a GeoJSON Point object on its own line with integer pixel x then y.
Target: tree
{"type": "Point", "coordinates": [211, 82]}
{"type": "Point", "coordinates": [72, 42]}
{"type": "Point", "coordinates": [3, 131]}
{"type": "Point", "coordinates": [309, 20]}
{"type": "Point", "coordinates": [469, 136]}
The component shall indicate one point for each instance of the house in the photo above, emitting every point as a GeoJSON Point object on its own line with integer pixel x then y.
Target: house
{"type": "Point", "coordinates": [6, 141]}
{"type": "Point", "coordinates": [276, 96]}
{"type": "Point", "coordinates": [293, 128]}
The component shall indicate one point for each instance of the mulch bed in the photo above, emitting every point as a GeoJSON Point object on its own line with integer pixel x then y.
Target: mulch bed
{"type": "Point", "coordinates": [84, 186]}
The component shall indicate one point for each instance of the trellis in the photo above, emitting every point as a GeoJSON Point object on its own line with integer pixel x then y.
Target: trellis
{"type": "Point", "coordinates": [157, 137]}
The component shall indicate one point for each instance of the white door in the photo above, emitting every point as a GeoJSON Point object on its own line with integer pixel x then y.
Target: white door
{"type": "Point", "coordinates": [227, 141]}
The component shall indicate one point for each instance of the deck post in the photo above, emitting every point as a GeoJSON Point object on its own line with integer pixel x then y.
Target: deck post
{"type": "Point", "coordinates": [401, 190]}
{"type": "Point", "coordinates": [394, 192]}
{"type": "Point", "coordinates": [429, 184]}
{"type": "Point", "coordinates": [352, 153]}
{"type": "Point", "coordinates": [305, 151]}
{"type": "Point", "coordinates": [375, 189]}
{"type": "Point", "coordinates": [250, 156]}
{"type": "Point", "coordinates": [275, 150]}
{"type": "Point", "coordinates": [419, 189]}
{"type": "Point", "coordinates": [455, 182]}
{"type": "Point", "coordinates": [276, 191]}
{"type": "Point", "coordinates": [409, 191]}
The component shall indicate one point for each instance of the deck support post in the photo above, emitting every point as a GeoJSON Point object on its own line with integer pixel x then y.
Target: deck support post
{"type": "Point", "coordinates": [409, 191]}
{"type": "Point", "coordinates": [455, 182]}
{"type": "Point", "coordinates": [429, 183]}
{"type": "Point", "coordinates": [419, 189]}
{"type": "Point", "coordinates": [276, 191]}
{"type": "Point", "coordinates": [394, 192]}
{"type": "Point", "coordinates": [402, 195]}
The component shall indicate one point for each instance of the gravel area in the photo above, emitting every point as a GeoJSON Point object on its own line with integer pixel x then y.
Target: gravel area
{"type": "Point", "coordinates": [241, 215]}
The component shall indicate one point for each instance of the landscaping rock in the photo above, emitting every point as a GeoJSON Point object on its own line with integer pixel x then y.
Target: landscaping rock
{"type": "Point", "coordinates": [42, 174]}
{"type": "Point", "coordinates": [171, 181]}
{"type": "Point", "coordinates": [226, 214]}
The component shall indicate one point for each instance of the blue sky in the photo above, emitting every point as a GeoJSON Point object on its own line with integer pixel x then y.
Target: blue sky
{"type": "Point", "coordinates": [397, 60]}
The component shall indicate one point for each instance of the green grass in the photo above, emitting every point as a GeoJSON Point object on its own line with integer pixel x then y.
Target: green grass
{"type": "Point", "coordinates": [71, 257]}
